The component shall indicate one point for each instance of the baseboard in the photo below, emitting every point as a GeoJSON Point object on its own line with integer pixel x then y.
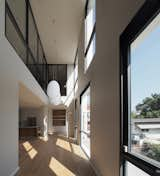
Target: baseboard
{"type": "Point", "coordinates": [94, 168]}
{"type": "Point", "coordinates": [15, 171]}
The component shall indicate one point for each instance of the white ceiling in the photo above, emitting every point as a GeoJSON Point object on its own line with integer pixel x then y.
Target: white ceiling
{"type": "Point", "coordinates": [59, 24]}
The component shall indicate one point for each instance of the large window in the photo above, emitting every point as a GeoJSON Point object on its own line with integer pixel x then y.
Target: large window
{"type": "Point", "coordinates": [90, 36]}
{"type": "Point", "coordinates": [140, 53]}
{"type": "Point", "coordinates": [85, 121]}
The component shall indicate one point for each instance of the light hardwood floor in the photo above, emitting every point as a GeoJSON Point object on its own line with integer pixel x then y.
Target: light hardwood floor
{"type": "Point", "coordinates": [53, 157]}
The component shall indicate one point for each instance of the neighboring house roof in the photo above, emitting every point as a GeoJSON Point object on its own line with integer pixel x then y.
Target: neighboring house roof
{"type": "Point", "coordinates": [149, 126]}
{"type": "Point", "coordinates": [147, 123]}
{"type": "Point", "coordinates": [146, 120]}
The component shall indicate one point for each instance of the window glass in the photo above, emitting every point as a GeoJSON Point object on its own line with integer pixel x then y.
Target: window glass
{"type": "Point", "coordinates": [144, 106]}
{"type": "Point", "coordinates": [18, 9]}
{"type": "Point", "coordinates": [31, 65]}
{"type": "Point", "coordinates": [90, 53]}
{"type": "Point", "coordinates": [32, 36]}
{"type": "Point", "coordinates": [85, 121]}
{"type": "Point", "coordinates": [40, 54]}
{"type": "Point", "coordinates": [90, 36]}
{"type": "Point", "coordinates": [14, 38]}
{"type": "Point", "coordinates": [131, 170]}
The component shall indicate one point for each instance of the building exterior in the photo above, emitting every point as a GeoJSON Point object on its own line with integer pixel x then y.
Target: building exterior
{"type": "Point", "coordinates": [147, 129]}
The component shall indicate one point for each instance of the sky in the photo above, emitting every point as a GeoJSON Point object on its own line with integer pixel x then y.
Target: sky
{"type": "Point", "coordinates": [145, 67]}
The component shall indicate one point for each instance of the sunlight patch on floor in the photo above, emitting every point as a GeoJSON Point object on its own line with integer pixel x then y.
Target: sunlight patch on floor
{"type": "Point", "coordinates": [31, 151]}
{"type": "Point", "coordinates": [63, 144]}
{"type": "Point", "coordinates": [78, 151]}
{"type": "Point", "coordinates": [59, 169]}
{"type": "Point", "coordinates": [27, 146]}
{"type": "Point", "coordinates": [71, 147]}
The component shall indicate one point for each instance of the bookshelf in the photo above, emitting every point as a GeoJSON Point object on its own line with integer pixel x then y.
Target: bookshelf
{"type": "Point", "coordinates": [59, 117]}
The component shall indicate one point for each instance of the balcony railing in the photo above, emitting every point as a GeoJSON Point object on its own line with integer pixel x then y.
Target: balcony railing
{"type": "Point", "coordinates": [21, 31]}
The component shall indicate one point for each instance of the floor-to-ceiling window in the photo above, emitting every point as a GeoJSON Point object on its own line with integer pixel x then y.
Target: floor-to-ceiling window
{"type": "Point", "coordinates": [140, 105]}
{"type": "Point", "coordinates": [85, 121]}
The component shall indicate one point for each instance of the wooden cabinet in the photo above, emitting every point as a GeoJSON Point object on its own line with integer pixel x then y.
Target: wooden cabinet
{"type": "Point", "coordinates": [59, 117]}
{"type": "Point", "coordinates": [28, 131]}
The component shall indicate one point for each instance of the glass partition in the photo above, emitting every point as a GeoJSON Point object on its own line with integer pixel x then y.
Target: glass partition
{"type": "Point", "coordinates": [18, 9]}
{"type": "Point", "coordinates": [14, 38]}
{"type": "Point", "coordinates": [21, 32]}
{"type": "Point", "coordinates": [40, 53]}
{"type": "Point", "coordinates": [32, 37]}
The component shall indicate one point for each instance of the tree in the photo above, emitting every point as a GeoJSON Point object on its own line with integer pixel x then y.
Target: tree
{"type": "Point", "coordinates": [133, 115]}
{"type": "Point", "coordinates": [149, 108]}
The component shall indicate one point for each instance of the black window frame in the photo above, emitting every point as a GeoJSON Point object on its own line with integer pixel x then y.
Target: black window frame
{"type": "Point", "coordinates": [149, 10]}
{"type": "Point", "coordinates": [93, 31]}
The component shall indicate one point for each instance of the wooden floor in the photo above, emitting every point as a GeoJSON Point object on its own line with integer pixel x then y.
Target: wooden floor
{"type": "Point", "coordinates": [53, 157]}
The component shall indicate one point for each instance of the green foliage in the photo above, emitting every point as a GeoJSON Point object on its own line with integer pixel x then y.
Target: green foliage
{"type": "Point", "coordinates": [151, 150]}
{"type": "Point", "coordinates": [133, 115]}
{"type": "Point", "coordinates": [149, 108]}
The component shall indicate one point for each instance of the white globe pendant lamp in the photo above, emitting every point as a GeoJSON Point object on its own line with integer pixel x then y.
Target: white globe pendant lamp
{"type": "Point", "coordinates": [53, 92]}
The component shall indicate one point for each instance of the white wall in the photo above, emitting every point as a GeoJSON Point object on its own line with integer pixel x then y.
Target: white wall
{"type": "Point", "coordinates": [103, 74]}
{"type": "Point", "coordinates": [12, 71]}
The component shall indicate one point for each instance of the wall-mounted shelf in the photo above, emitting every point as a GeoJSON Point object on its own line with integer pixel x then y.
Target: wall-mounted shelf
{"type": "Point", "coordinates": [59, 117]}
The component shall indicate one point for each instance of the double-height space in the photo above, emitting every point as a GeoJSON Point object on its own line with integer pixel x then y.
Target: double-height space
{"type": "Point", "coordinates": [79, 88]}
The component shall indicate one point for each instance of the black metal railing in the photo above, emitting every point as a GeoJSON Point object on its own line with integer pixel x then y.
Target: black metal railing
{"type": "Point", "coordinates": [21, 31]}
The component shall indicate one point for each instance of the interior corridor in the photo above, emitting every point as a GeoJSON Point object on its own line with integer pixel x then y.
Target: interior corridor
{"type": "Point", "coordinates": [53, 156]}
